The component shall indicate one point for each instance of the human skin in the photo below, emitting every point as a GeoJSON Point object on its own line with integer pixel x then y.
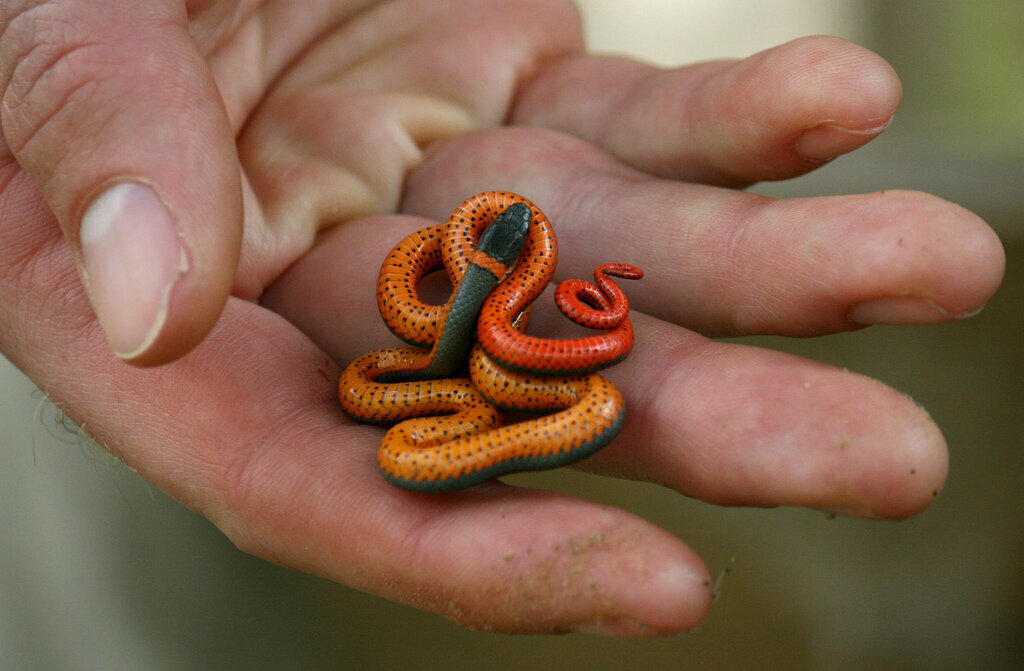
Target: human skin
{"type": "Point", "coordinates": [274, 157]}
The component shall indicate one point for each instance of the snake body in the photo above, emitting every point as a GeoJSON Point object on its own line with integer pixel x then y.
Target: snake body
{"type": "Point", "coordinates": [449, 434]}
{"type": "Point", "coordinates": [498, 247]}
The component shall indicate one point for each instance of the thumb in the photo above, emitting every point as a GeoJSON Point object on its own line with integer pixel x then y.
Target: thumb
{"type": "Point", "coordinates": [110, 108]}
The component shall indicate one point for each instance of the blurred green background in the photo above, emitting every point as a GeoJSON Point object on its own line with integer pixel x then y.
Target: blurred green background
{"type": "Point", "coordinates": [100, 570]}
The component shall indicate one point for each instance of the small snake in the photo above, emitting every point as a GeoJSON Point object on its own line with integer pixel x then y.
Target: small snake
{"type": "Point", "coordinates": [450, 432]}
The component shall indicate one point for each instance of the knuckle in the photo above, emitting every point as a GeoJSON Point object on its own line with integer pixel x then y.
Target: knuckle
{"type": "Point", "coordinates": [45, 64]}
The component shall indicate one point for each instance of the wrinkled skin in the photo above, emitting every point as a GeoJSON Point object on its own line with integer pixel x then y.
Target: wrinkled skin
{"type": "Point", "coordinates": [295, 147]}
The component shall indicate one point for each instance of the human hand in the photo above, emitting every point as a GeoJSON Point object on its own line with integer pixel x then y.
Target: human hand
{"type": "Point", "coordinates": [312, 128]}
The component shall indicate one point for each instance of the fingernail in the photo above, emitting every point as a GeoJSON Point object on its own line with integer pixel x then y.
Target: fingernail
{"type": "Point", "coordinates": [825, 142]}
{"type": "Point", "coordinates": [132, 257]}
{"type": "Point", "coordinates": [901, 310]}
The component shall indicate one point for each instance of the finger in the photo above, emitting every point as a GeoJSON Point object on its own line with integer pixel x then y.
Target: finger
{"type": "Point", "coordinates": [725, 423]}
{"type": "Point", "coordinates": [737, 425]}
{"type": "Point", "coordinates": [777, 114]}
{"type": "Point", "coordinates": [112, 112]}
{"type": "Point", "coordinates": [724, 262]}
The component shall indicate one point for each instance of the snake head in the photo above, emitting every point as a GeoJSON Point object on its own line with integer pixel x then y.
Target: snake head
{"type": "Point", "coordinates": [504, 237]}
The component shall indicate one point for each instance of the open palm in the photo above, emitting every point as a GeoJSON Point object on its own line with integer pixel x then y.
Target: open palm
{"type": "Point", "coordinates": [295, 146]}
